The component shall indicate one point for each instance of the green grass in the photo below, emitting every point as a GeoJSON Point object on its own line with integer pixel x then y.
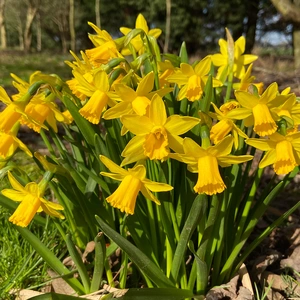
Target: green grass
{"type": "Point", "coordinates": [24, 65]}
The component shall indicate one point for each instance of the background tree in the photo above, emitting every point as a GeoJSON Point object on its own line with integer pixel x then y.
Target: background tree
{"type": "Point", "coordinates": [291, 12]}
{"type": "Point", "coordinates": [3, 43]}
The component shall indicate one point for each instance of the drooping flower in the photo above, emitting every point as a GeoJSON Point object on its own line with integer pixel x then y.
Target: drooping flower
{"type": "Point", "coordinates": [156, 134]}
{"type": "Point", "coordinates": [281, 151]}
{"type": "Point", "coordinates": [256, 110]}
{"type": "Point", "coordinates": [205, 162]}
{"type": "Point", "coordinates": [9, 143]}
{"type": "Point", "coordinates": [98, 91]}
{"type": "Point", "coordinates": [32, 201]}
{"type": "Point", "coordinates": [137, 41]}
{"type": "Point", "coordinates": [247, 80]}
{"type": "Point", "coordinates": [225, 125]}
{"type": "Point", "coordinates": [133, 181]}
{"type": "Point", "coordinates": [192, 80]}
{"type": "Point", "coordinates": [223, 60]}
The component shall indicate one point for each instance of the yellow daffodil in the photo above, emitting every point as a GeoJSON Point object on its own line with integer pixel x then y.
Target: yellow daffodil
{"type": "Point", "coordinates": [156, 134]}
{"type": "Point", "coordinates": [134, 102]}
{"type": "Point", "coordinates": [137, 41]}
{"type": "Point", "coordinates": [105, 47]}
{"type": "Point", "coordinates": [38, 111]}
{"type": "Point", "coordinates": [165, 69]}
{"type": "Point", "coordinates": [133, 181]}
{"type": "Point", "coordinates": [98, 91]}
{"type": "Point", "coordinates": [192, 80]}
{"type": "Point", "coordinates": [281, 151]}
{"type": "Point", "coordinates": [32, 201]}
{"type": "Point", "coordinates": [12, 113]}
{"type": "Point", "coordinates": [225, 125]}
{"type": "Point", "coordinates": [205, 162]}
{"type": "Point", "coordinates": [222, 60]}
{"type": "Point", "coordinates": [247, 80]}
{"type": "Point", "coordinates": [256, 110]}
{"type": "Point", "coordinates": [9, 143]}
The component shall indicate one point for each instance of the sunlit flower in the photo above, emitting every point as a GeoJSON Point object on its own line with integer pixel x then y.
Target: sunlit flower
{"type": "Point", "coordinates": [9, 143]}
{"type": "Point", "coordinates": [137, 41]}
{"type": "Point", "coordinates": [32, 201]}
{"type": "Point", "coordinates": [11, 113]}
{"type": "Point", "coordinates": [133, 181]}
{"type": "Point", "coordinates": [222, 60]}
{"type": "Point", "coordinates": [134, 102]}
{"type": "Point", "coordinates": [156, 134]}
{"type": "Point", "coordinates": [98, 91]}
{"type": "Point", "coordinates": [205, 162]}
{"type": "Point", "coordinates": [247, 80]}
{"type": "Point", "coordinates": [224, 126]}
{"type": "Point", "coordinates": [256, 110]}
{"type": "Point", "coordinates": [281, 151]}
{"type": "Point", "coordinates": [192, 80]}
{"type": "Point", "coordinates": [41, 110]}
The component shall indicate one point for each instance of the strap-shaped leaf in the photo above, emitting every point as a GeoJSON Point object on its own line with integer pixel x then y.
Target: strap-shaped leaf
{"type": "Point", "coordinates": [143, 262]}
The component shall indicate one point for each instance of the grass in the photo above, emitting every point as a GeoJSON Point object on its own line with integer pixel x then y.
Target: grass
{"type": "Point", "coordinates": [24, 65]}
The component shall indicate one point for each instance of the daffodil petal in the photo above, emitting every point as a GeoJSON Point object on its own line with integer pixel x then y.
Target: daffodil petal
{"type": "Point", "coordinates": [120, 109]}
{"type": "Point", "coordinates": [261, 144]}
{"type": "Point", "coordinates": [141, 23]}
{"type": "Point", "coordinates": [246, 99]}
{"type": "Point", "coordinates": [113, 176]}
{"type": "Point", "coordinates": [231, 159]}
{"type": "Point", "coordinates": [146, 85]}
{"type": "Point", "coordinates": [268, 159]}
{"type": "Point", "coordinates": [239, 113]}
{"type": "Point", "coordinates": [158, 114]}
{"type": "Point", "coordinates": [156, 186]}
{"type": "Point", "coordinates": [138, 125]}
{"type": "Point", "coordinates": [111, 166]}
{"type": "Point", "coordinates": [178, 125]}
{"type": "Point", "coordinates": [15, 183]}
{"type": "Point", "coordinates": [13, 195]}
{"type": "Point", "coordinates": [125, 92]}
{"type": "Point", "coordinates": [203, 66]}
{"type": "Point", "coordinates": [148, 195]}
{"type": "Point", "coordinates": [222, 148]}
{"type": "Point", "coordinates": [191, 148]}
{"type": "Point", "coordinates": [101, 81]}
{"type": "Point", "coordinates": [269, 94]}
{"type": "Point", "coordinates": [156, 32]}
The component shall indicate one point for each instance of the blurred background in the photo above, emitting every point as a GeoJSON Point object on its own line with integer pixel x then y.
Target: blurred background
{"type": "Point", "coordinates": [38, 34]}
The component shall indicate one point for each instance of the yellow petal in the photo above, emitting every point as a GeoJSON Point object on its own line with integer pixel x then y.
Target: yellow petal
{"type": "Point", "coordinates": [111, 166]}
{"type": "Point", "coordinates": [178, 125]}
{"type": "Point", "coordinates": [13, 195]}
{"type": "Point", "coordinates": [157, 111]}
{"type": "Point", "coordinates": [261, 144]}
{"type": "Point", "coordinates": [209, 180]}
{"type": "Point", "coordinates": [101, 81]}
{"type": "Point", "coordinates": [141, 23]}
{"type": "Point", "coordinates": [268, 159]}
{"type": "Point", "coordinates": [202, 68]}
{"type": "Point", "coordinates": [25, 211]}
{"type": "Point", "coordinates": [124, 198]}
{"type": "Point", "coordinates": [222, 148]}
{"type": "Point", "coordinates": [138, 125]}
{"type": "Point", "coordinates": [15, 183]}
{"type": "Point", "coordinates": [148, 195]}
{"type": "Point", "coordinates": [157, 186]}
{"type": "Point", "coordinates": [156, 32]}
{"type": "Point", "coordinates": [191, 148]}
{"type": "Point", "coordinates": [246, 99]}
{"type": "Point", "coordinates": [146, 85]}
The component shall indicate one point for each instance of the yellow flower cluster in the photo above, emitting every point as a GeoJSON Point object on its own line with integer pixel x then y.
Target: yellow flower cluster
{"type": "Point", "coordinates": [159, 106]}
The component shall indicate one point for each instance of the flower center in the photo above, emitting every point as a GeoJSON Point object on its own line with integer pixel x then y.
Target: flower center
{"type": "Point", "coordinates": [156, 144]}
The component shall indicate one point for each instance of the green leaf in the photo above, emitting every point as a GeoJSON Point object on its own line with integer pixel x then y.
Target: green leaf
{"type": "Point", "coordinates": [54, 296]}
{"type": "Point", "coordinates": [85, 126]}
{"type": "Point", "coordinates": [157, 293]}
{"type": "Point", "coordinates": [183, 53]}
{"type": "Point", "coordinates": [143, 262]}
{"type": "Point", "coordinates": [197, 211]}
{"type": "Point", "coordinates": [51, 259]}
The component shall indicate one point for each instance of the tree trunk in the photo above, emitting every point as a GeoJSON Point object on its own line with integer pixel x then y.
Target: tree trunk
{"type": "Point", "coordinates": [3, 43]}
{"type": "Point", "coordinates": [168, 25]}
{"type": "Point", "coordinates": [291, 12]}
{"type": "Point", "coordinates": [31, 12]}
{"type": "Point", "coordinates": [252, 8]}
{"type": "Point", "coordinates": [97, 13]}
{"type": "Point", "coordinates": [72, 26]}
{"type": "Point", "coordinates": [38, 33]}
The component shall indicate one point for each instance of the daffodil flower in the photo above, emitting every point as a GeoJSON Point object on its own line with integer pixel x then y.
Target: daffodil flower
{"type": "Point", "coordinates": [98, 91]}
{"type": "Point", "coordinates": [192, 80]}
{"type": "Point", "coordinates": [247, 80]}
{"type": "Point", "coordinates": [256, 110]}
{"type": "Point", "coordinates": [224, 126]}
{"type": "Point", "coordinates": [41, 110]}
{"type": "Point", "coordinates": [133, 181]}
{"type": "Point", "coordinates": [137, 41]}
{"type": "Point", "coordinates": [205, 162]}
{"type": "Point", "coordinates": [32, 201]}
{"type": "Point", "coordinates": [156, 134]}
{"type": "Point", "coordinates": [12, 113]}
{"type": "Point", "coordinates": [281, 151]}
{"type": "Point", "coordinates": [105, 47]}
{"type": "Point", "coordinates": [9, 143]}
{"type": "Point", "coordinates": [221, 60]}
{"type": "Point", "coordinates": [134, 102]}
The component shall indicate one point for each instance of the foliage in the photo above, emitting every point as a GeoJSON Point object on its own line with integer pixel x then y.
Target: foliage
{"type": "Point", "coordinates": [150, 158]}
